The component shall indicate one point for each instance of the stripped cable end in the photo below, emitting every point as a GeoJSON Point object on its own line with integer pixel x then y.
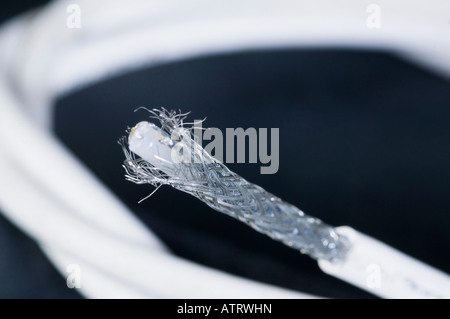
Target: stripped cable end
{"type": "Point", "coordinates": [169, 155]}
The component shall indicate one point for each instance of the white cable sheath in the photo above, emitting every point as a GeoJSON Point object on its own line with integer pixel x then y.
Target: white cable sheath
{"type": "Point", "coordinates": [386, 272]}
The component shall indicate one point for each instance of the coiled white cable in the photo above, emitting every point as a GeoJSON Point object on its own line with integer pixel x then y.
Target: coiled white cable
{"type": "Point", "coordinates": [41, 59]}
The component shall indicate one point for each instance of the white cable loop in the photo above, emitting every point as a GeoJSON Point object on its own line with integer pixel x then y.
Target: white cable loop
{"type": "Point", "coordinates": [42, 59]}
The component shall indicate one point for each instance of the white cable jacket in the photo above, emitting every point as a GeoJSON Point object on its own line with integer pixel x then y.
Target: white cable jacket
{"type": "Point", "coordinates": [386, 272]}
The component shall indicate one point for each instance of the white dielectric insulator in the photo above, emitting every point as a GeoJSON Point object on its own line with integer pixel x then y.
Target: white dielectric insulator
{"type": "Point", "coordinates": [153, 145]}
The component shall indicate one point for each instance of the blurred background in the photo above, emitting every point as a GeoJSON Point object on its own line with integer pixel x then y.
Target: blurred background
{"type": "Point", "coordinates": [364, 141]}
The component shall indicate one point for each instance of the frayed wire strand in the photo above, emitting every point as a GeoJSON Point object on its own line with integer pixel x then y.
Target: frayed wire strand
{"type": "Point", "coordinates": [154, 191]}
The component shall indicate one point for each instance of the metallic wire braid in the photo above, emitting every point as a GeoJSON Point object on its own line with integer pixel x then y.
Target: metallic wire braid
{"type": "Point", "coordinates": [213, 183]}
